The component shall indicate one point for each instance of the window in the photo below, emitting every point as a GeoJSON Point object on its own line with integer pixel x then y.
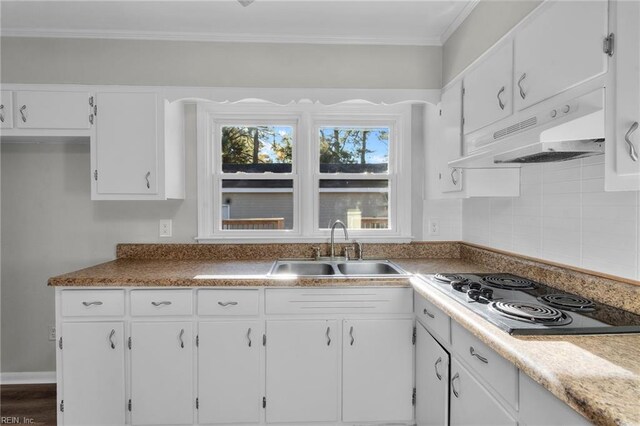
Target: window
{"type": "Point", "coordinates": [274, 172]}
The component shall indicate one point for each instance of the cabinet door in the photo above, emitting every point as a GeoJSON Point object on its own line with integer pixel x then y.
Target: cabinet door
{"type": "Point", "coordinates": [626, 141]}
{"type": "Point", "coordinates": [162, 373]}
{"type": "Point", "coordinates": [377, 370]}
{"type": "Point", "coordinates": [559, 49]}
{"type": "Point", "coordinates": [432, 380]}
{"type": "Point", "coordinates": [126, 143]}
{"type": "Point", "coordinates": [6, 109]}
{"type": "Point", "coordinates": [487, 90]}
{"type": "Point", "coordinates": [93, 373]}
{"type": "Point", "coordinates": [302, 371]}
{"type": "Point", "coordinates": [451, 141]}
{"type": "Point", "coordinates": [471, 403]}
{"type": "Point", "coordinates": [52, 110]}
{"type": "Point", "coordinates": [229, 385]}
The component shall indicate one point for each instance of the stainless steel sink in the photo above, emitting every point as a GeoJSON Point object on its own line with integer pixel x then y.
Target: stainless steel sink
{"type": "Point", "coordinates": [319, 268]}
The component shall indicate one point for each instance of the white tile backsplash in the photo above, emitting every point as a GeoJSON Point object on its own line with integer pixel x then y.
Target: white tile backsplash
{"type": "Point", "coordinates": [562, 215]}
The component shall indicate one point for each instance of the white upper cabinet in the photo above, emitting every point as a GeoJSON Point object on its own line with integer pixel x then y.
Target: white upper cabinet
{"type": "Point", "coordinates": [622, 172]}
{"type": "Point", "coordinates": [559, 48]}
{"type": "Point", "coordinates": [52, 110]}
{"type": "Point", "coordinates": [6, 109]}
{"type": "Point", "coordinates": [450, 146]}
{"type": "Point", "coordinates": [138, 149]}
{"type": "Point", "coordinates": [488, 90]}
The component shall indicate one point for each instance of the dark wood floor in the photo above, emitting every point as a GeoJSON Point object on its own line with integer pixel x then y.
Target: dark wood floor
{"type": "Point", "coordinates": [28, 404]}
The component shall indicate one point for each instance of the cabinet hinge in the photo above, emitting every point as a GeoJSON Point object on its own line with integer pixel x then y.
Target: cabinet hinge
{"type": "Point", "coordinates": [62, 406]}
{"type": "Point", "coordinates": [413, 337]}
{"type": "Point", "coordinates": [95, 110]}
{"type": "Point", "coordinates": [95, 174]}
{"type": "Point", "coordinates": [463, 121]}
{"type": "Point", "coordinates": [129, 342]}
{"type": "Point", "coordinates": [197, 340]}
{"type": "Point", "coordinates": [440, 113]}
{"type": "Point", "coordinates": [129, 405]}
{"type": "Point", "coordinates": [60, 342]}
{"type": "Point", "coordinates": [413, 397]}
{"type": "Point", "coordinates": [264, 340]}
{"type": "Point", "coordinates": [464, 91]}
{"type": "Point", "coordinates": [264, 402]}
{"type": "Point", "coordinates": [90, 100]}
{"type": "Point", "coordinates": [197, 403]}
{"type": "Point", "coordinates": [607, 44]}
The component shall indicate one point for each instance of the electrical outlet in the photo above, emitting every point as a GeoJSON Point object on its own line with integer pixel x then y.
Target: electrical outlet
{"type": "Point", "coordinates": [52, 332]}
{"type": "Point", "coordinates": [434, 226]}
{"type": "Point", "coordinates": [165, 227]}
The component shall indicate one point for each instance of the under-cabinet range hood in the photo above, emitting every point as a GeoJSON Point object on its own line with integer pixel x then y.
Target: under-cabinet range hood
{"type": "Point", "coordinates": [569, 130]}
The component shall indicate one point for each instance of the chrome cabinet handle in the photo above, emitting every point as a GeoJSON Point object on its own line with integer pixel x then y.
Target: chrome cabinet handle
{"type": "Point", "coordinates": [522, 94]}
{"type": "Point", "coordinates": [96, 303]}
{"type": "Point", "coordinates": [1, 113]}
{"type": "Point", "coordinates": [249, 336]}
{"type": "Point", "coordinates": [180, 337]}
{"type": "Point", "coordinates": [146, 177]}
{"type": "Point", "coordinates": [453, 178]}
{"type": "Point", "coordinates": [500, 103]}
{"type": "Point", "coordinates": [477, 355]}
{"type": "Point", "coordinates": [113, 344]}
{"type": "Point", "coordinates": [328, 337]}
{"type": "Point", "coordinates": [351, 335]}
{"type": "Point", "coordinates": [227, 303]}
{"type": "Point", "coordinates": [632, 149]}
{"type": "Point", "coordinates": [435, 366]}
{"type": "Point", "coordinates": [427, 313]}
{"type": "Point", "coordinates": [453, 385]}
{"type": "Point", "coordinates": [164, 302]}
{"type": "Point", "coordinates": [23, 109]}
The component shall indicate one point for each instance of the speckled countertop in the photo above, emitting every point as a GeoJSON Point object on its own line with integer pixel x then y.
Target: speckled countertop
{"type": "Point", "coordinates": [599, 376]}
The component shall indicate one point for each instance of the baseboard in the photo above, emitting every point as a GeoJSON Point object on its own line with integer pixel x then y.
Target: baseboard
{"type": "Point", "coordinates": [29, 377]}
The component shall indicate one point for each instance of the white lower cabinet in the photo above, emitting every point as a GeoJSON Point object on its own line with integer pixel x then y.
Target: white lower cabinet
{"type": "Point", "coordinates": [162, 373]}
{"type": "Point", "coordinates": [377, 370]}
{"type": "Point", "coordinates": [229, 384]}
{"type": "Point", "coordinates": [471, 403]}
{"type": "Point", "coordinates": [432, 380]}
{"type": "Point", "coordinates": [302, 360]}
{"type": "Point", "coordinates": [93, 378]}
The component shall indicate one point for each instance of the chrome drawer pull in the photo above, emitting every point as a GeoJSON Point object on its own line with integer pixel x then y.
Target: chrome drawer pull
{"type": "Point", "coordinates": [227, 303]}
{"type": "Point", "coordinates": [500, 103]}
{"type": "Point", "coordinates": [477, 355]}
{"type": "Point", "coordinates": [113, 344]}
{"type": "Point", "coordinates": [453, 178]}
{"type": "Point", "coordinates": [22, 113]}
{"type": "Point", "coordinates": [328, 337]}
{"type": "Point", "coordinates": [453, 385]}
{"type": "Point", "coordinates": [146, 177]}
{"type": "Point", "coordinates": [632, 149]}
{"type": "Point", "coordinates": [163, 303]}
{"type": "Point", "coordinates": [249, 336]}
{"type": "Point", "coordinates": [435, 366]}
{"type": "Point", "coordinates": [522, 94]}
{"type": "Point", "coordinates": [180, 337]}
{"type": "Point", "coordinates": [427, 313]}
{"type": "Point", "coordinates": [96, 303]}
{"type": "Point", "coordinates": [351, 335]}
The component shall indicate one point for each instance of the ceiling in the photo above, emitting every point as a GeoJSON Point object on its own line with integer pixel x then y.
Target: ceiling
{"type": "Point", "coordinates": [411, 22]}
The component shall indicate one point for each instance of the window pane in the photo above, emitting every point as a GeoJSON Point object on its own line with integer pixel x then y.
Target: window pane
{"type": "Point", "coordinates": [354, 150]}
{"type": "Point", "coordinates": [257, 149]}
{"type": "Point", "coordinates": [361, 204]}
{"type": "Point", "coordinates": [257, 204]}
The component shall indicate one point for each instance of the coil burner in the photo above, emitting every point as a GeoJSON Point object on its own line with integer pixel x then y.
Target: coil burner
{"type": "Point", "coordinates": [508, 282]}
{"type": "Point", "coordinates": [447, 278]}
{"type": "Point", "coordinates": [569, 302]}
{"type": "Point", "coordinates": [531, 312]}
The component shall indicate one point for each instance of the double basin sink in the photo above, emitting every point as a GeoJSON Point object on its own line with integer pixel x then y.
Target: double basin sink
{"type": "Point", "coordinates": [337, 268]}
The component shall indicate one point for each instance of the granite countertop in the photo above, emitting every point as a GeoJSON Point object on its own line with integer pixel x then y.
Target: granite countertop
{"type": "Point", "coordinates": [599, 375]}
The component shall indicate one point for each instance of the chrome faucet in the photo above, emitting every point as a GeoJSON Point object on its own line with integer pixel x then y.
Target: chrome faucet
{"type": "Point", "coordinates": [333, 228]}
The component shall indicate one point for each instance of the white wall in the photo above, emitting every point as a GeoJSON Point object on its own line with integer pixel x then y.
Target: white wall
{"type": "Point", "coordinates": [562, 215]}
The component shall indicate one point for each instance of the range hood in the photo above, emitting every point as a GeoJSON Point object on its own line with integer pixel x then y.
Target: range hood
{"type": "Point", "coordinates": [573, 129]}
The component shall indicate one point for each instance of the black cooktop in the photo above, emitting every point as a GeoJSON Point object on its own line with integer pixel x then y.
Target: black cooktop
{"type": "Point", "coordinates": [522, 306]}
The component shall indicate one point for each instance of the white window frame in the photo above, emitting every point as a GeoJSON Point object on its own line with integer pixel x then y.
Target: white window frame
{"type": "Point", "coordinates": [306, 118]}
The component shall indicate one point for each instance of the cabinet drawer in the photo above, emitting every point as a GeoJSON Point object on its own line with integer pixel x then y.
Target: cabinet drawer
{"type": "Point", "coordinates": [499, 373]}
{"type": "Point", "coordinates": [86, 303]}
{"type": "Point", "coordinates": [433, 318]}
{"type": "Point", "coordinates": [228, 302]}
{"type": "Point", "coordinates": [337, 301]}
{"type": "Point", "coordinates": [161, 302]}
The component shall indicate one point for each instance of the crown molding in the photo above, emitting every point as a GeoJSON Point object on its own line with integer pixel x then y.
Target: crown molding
{"type": "Point", "coordinates": [464, 13]}
{"type": "Point", "coordinates": [219, 37]}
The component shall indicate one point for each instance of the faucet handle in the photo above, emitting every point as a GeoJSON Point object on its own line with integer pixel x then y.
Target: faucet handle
{"type": "Point", "coordinates": [360, 247]}
{"type": "Point", "coordinates": [316, 252]}
{"type": "Point", "coordinates": [348, 249]}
